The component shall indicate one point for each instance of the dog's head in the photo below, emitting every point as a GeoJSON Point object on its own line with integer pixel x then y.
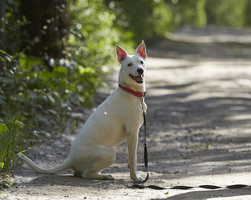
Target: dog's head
{"type": "Point", "coordinates": [132, 72]}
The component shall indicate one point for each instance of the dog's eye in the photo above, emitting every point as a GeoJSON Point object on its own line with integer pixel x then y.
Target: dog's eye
{"type": "Point", "coordinates": [141, 62]}
{"type": "Point", "coordinates": [129, 64]}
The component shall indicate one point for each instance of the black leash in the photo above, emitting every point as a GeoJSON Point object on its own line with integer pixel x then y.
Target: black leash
{"type": "Point", "coordinates": [211, 187]}
{"type": "Point", "coordinates": [140, 183]}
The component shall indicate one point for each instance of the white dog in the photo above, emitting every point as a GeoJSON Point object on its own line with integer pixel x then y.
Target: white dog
{"type": "Point", "coordinates": [116, 120]}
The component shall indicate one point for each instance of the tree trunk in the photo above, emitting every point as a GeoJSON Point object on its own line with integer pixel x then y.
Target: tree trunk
{"type": "Point", "coordinates": [2, 14]}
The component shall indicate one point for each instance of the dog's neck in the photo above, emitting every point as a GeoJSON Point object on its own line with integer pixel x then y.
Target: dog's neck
{"type": "Point", "coordinates": [136, 94]}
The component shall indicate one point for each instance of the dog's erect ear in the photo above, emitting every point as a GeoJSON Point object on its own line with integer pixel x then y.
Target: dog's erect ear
{"type": "Point", "coordinates": [121, 53]}
{"type": "Point", "coordinates": [141, 50]}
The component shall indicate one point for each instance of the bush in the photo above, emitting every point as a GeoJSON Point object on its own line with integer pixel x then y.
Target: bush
{"type": "Point", "coordinates": [37, 95]}
{"type": "Point", "coordinates": [39, 99]}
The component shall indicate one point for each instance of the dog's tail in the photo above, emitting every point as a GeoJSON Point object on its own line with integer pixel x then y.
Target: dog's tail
{"type": "Point", "coordinates": [63, 166]}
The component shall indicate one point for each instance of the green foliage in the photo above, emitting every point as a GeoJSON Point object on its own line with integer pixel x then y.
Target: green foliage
{"type": "Point", "coordinates": [227, 13]}
{"type": "Point", "coordinates": [92, 35]}
{"type": "Point", "coordinates": [37, 100]}
{"type": "Point", "coordinates": [6, 181]}
{"type": "Point", "coordinates": [162, 18]}
{"type": "Point", "coordinates": [145, 19]}
{"type": "Point", "coordinates": [39, 94]}
{"type": "Point", "coordinates": [44, 96]}
{"type": "Point", "coordinates": [247, 14]}
{"type": "Point", "coordinates": [10, 141]}
{"type": "Point", "coordinates": [134, 18]}
{"type": "Point", "coordinates": [142, 19]}
{"type": "Point", "coordinates": [12, 27]}
{"type": "Point", "coordinates": [188, 12]}
{"type": "Point", "coordinates": [234, 13]}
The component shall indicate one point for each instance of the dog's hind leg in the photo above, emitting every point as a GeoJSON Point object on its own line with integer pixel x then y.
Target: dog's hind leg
{"type": "Point", "coordinates": [100, 158]}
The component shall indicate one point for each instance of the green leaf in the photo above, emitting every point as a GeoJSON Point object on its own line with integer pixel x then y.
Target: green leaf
{"type": "Point", "coordinates": [60, 71]}
{"type": "Point", "coordinates": [13, 184]}
{"type": "Point", "coordinates": [19, 123]}
{"type": "Point", "coordinates": [21, 152]}
{"type": "Point", "coordinates": [3, 52]}
{"type": "Point", "coordinates": [2, 59]}
{"type": "Point", "coordinates": [2, 192]}
{"type": "Point", "coordinates": [27, 62]}
{"type": "Point", "coordinates": [3, 128]}
{"type": "Point", "coordinates": [88, 70]}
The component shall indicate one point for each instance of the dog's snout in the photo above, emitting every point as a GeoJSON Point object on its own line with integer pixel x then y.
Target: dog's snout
{"type": "Point", "coordinates": [140, 71]}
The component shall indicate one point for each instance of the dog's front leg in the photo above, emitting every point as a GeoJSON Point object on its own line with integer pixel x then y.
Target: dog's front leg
{"type": "Point", "coordinates": [132, 142]}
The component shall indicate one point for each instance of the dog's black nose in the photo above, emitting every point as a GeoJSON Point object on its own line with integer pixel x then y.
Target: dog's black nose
{"type": "Point", "coordinates": [140, 71]}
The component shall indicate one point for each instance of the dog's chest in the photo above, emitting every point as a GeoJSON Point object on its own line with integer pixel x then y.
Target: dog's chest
{"type": "Point", "coordinates": [132, 111]}
{"type": "Point", "coordinates": [123, 110]}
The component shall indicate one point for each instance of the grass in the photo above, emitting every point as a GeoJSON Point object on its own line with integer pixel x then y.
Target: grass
{"type": "Point", "coordinates": [11, 141]}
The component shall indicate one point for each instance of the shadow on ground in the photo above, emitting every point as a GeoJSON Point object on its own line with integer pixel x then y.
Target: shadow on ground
{"type": "Point", "coordinates": [198, 195]}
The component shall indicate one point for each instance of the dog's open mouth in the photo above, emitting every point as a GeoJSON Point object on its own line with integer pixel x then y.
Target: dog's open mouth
{"type": "Point", "coordinates": [138, 79]}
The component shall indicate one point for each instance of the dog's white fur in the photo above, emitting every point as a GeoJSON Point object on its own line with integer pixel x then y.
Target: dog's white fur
{"type": "Point", "coordinates": [116, 120]}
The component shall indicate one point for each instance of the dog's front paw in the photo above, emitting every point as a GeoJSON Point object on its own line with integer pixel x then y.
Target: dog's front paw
{"type": "Point", "coordinates": [136, 177]}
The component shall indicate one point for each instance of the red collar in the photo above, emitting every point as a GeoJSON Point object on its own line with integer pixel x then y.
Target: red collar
{"type": "Point", "coordinates": [137, 94]}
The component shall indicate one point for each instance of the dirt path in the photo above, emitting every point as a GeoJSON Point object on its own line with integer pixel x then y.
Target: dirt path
{"type": "Point", "coordinates": [199, 125]}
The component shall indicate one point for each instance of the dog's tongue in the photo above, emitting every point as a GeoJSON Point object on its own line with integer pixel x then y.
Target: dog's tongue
{"type": "Point", "coordinates": [139, 78]}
